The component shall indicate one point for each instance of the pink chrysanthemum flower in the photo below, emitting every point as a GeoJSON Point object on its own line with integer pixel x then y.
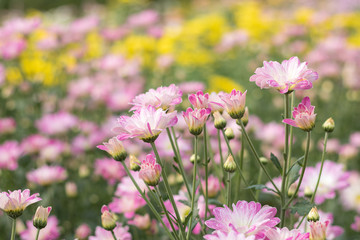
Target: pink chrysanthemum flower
{"type": "Point", "coordinates": [109, 169]}
{"type": "Point", "coordinates": [83, 231]}
{"type": "Point", "coordinates": [304, 116]}
{"type": "Point", "coordinates": [14, 203]}
{"type": "Point", "coordinates": [121, 233]}
{"type": "Point", "coordinates": [10, 151]}
{"type": "Point", "coordinates": [47, 175]}
{"type": "Point", "coordinates": [234, 103]}
{"type": "Point", "coordinates": [247, 217]}
{"type": "Point", "coordinates": [285, 77]}
{"type": "Point", "coordinates": [232, 235]}
{"type": "Point", "coordinates": [286, 234]}
{"type": "Point", "coordinates": [196, 119]}
{"type": "Point", "coordinates": [356, 225]}
{"type": "Point", "coordinates": [162, 97]}
{"type": "Point", "coordinates": [115, 148]}
{"type": "Point", "coordinates": [318, 230]}
{"type": "Point", "coordinates": [145, 124]}
{"type": "Point", "coordinates": [215, 102]}
{"type": "Point", "coordinates": [56, 123]}
{"type": "Point", "coordinates": [50, 232]}
{"type": "Point", "coordinates": [199, 100]}
{"type": "Point", "coordinates": [150, 170]}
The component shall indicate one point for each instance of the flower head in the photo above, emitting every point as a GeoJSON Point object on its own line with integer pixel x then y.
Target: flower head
{"type": "Point", "coordinates": [318, 230]}
{"type": "Point", "coordinates": [41, 216]}
{"type": "Point", "coordinates": [199, 100]}
{"type": "Point", "coordinates": [145, 124]}
{"type": "Point", "coordinates": [108, 219]}
{"type": "Point", "coordinates": [150, 170]}
{"type": "Point", "coordinates": [286, 234]}
{"type": "Point", "coordinates": [115, 148]}
{"type": "Point", "coordinates": [14, 203]}
{"type": "Point", "coordinates": [232, 235]}
{"type": "Point", "coordinates": [47, 175]}
{"type": "Point", "coordinates": [196, 119]}
{"type": "Point", "coordinates": [248, 218]}
{"type": "Point", "coordinates": [304, 116]}
{"type": "Point", "coordinates": [285, 77]}
{"type": "Point", "coordinates": [162, 97]}
{"type": "Point", "coordinates": [234, 103]}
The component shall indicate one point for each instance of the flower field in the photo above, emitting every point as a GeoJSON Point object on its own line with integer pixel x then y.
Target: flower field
{"type": "Point", "coordinates": [180, 120]}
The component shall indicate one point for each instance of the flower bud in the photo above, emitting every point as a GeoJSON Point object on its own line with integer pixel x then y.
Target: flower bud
{"type": "Point", "coordinates": [292, 190]}
{"type": "Point", "coordinates": [244, 119]}
{"type": "Point", "coordinates": [264, 160]}
{"type": "Point", "coordinates": [308, 192]}
{"type": "Point", "coordinates": [313, 215]}
{"type": "Point", "coordinates": [230, 165]}
{"type": "Point", "coordinates": [41, 216]}
{"type": "Point", "coordinates": [192, 158]}
{"type": "Point", "coordinates": [229, 133]}
{"type": "Point", "coordinates": [108, 219]}
{"type": "Point", "coordinates": [115, 148]}
{"type": "Point", "coordinates": [329, 125]}
{"type": "Point", "coordinates": [150, 170]}
{"type": "Point", "coordinates": [219, 120]}
{"type": "Point", "coordinates": [134, 163]}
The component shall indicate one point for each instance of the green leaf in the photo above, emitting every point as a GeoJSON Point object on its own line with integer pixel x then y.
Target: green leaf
{"type": "Point", "coordinates": [260, 186]}
{"type": "Point", "coordinates": [276, 162]}
{"type": "Point", "coordinates": [302, 207]}
{"type": "Point", "coordinates": [176, 169]}
{"type": "Point", "coordinates": [215, 202]}
{"type": "Point", "coordinates": [294, 173]}
{"type": "Point", "coordinates": [175, 159]}
{"type": "Point", "coordinates": [185, 202]}
{"type": "Point", "coordinates": [297, 162]}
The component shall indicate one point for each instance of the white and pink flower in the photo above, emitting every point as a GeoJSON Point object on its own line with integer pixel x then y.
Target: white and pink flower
{"type": "Point", "coordinates": [234, 103]}
{"type": "Point", "coordinates": [51, 231]}
{"type": "Point", "coordinates": [150, 170]}
{"type": "Point", "coordinates": [304, 116]}
{"type": "Point", "coordinates": [196, 119]}
{"type": "Point", "coordinates": [199, 100]}
{"type": "Point", "coordinates": [286, 234]}
{"type": "Point", "coordinates": [119, 231]}
{"type": "Point", "coordinates": [232, 235]}
{"type": "Point", "coordinates": [47, 175]}
{"type": "Point", "coordinates": [14, 203]}
{"type": "Point", "coordinates": [10, 152]}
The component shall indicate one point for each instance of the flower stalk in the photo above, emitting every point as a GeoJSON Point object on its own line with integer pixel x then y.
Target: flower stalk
{"type": "Point", "coordinates": [193, 189]}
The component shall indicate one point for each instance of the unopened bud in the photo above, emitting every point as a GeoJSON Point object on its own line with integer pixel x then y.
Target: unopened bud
{"type": "Point", "coordinates": [292, 190]}
{"type": "Point", "coordinates": [134, 163]}
{"type": "Point", "coordinates": [219, 120]}
{"type": "Point", "coordinates": [115, 148]}
{"type": "Point", "coordinates": [313, 215]}
{"type": "Point", "coordinates": [230, 165]}
{"type": "Point", "coordinates": [264, 160]}
{"type": "Point", "coordinates": [329, 125]}
{"type": "Point", "coordinates": [229, 133]}
{"type": "Point", "coordinates": [308, 192]}
{"type": "Point", "coordinates": [108, 219]}
{"type": "Point", "coordinates": [41, 216]}
{"type": "Point", "coordinates": [184, 212]}
{"type": "Point", "coordinates": [192, 158]}
{"type": "Point", "coordinates": [244, 119]}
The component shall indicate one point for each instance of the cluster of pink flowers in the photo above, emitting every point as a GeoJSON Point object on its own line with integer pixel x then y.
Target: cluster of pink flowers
{"type": "Point", "coordinates": [56, 123]}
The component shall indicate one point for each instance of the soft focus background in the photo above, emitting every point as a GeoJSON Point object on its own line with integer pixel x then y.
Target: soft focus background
{"type": "Point", "coordinates": [69, 67]}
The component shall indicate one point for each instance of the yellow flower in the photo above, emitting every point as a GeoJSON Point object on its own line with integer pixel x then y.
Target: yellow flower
{"type": "Point", "coordinates": [219, 83]}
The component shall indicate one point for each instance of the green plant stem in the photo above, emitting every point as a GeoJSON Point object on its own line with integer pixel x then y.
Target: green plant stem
{"type": "Point", "coordinates": [237, 164]}
{"type": "Point", "coordinates": [179, 160]}
{"type": "Point", "coordinates": [193, 189]}
{"type": "Point", "coordinates": [13, 228]}
{"type": "Point", "coordinates": [258, 183]}
{"type": "Point", "coordinates": [221, 157]}
{"type": "Point", "coordinates": [302, 171]}
{"type": "Point", "coordinates": [37, 234]}
{"type": "Point", "coordinates": [228, 186]}
{"type": "Point", "coordinates": [285, 165]}
{"type": "Point", "coordinates": [291, 141]}
{"type": "Point", "coordinates": [258, 158]}
{"type": "Point", "coordinates": [155, 212]}
{"type": "Point", "coordinates": [241, 162]}
{"type": "Point", "coordinates": [113, 234]}
{"type": "Point", "coordinates": [168, 189]}
{"type": "Point", "coordinates": [206, 172]}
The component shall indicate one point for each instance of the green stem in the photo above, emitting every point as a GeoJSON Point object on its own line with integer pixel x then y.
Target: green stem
{"type": "Point", "coordinates": [193, 189]}
{"type": "Point", "coordinates": [13, 229]}
{"type": "Point", "coordinates": [179, 160]}
{"type": "Point", "coordinates": [155, 212]}
{"type": "Point", "coordinates": [302, 171]}
{"type": "Point", "coordinates": [168, 189]}
{"type": "Point", "coordinates": [221, 157]}
{"type": "Point", "coordinates": [206, 172]}
{"type": "Point", "coordinates": [321, 168]}
{"type": "Point", "coordinates": [258, 183]}
{"type": "Point", "coordinates": [258, 158]}
{"type": "Point", "coordinates": [113, 234]}
{"type": "Point", "coordinates": [237, 164]}
{"type": "Point", "coordinates": [285, 165]}
{"type": "Point", "coordinates": [291, 141]}
{"type": "Point", "coordinates": [37, 234]}
{"type": "Point", "coordinates": [228, 186]}
{"type": "Point", "coordinates": [241, 161]}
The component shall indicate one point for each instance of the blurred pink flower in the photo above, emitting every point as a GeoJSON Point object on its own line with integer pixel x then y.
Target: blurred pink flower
{"type": "Point", "coordinates": [56, 123]}
{"type": "Point", "coordinates": [150, 170]}
{"type": "Point", "coordinates": [143, 19]}
{"type": "Point", "coordinates": [333, 178]}
{"type": "Point", "coordinates": [247, 217]}
{"type": "Point", "coordinates": [213, 186]}
{"type": "Point", "coordinates": [121, 233]}
{"type": "Point", "coordinates": [348, 151]}
{"type": "Point", "coordinates": [285, 77]}
{"type": "Point", "coordinates": [145, 124]}
{"type": "Point", "coordinates": [14, 202]}
{"type": "Point", "coordinates": [34, 143]}
{"type": "Point", "coordinates": [162, 97]}
{"type": "Point", "coordinates": [355, 139]}
{"type": "Point", "coordinates": [47, 175]}
{"type": "Point", "coordinates": [318, 230]}
{"type": "Point", "coordinates": [199, 100]}
{"type": "Point", "coordinates": [141, 222]}
{"type": "Point", "coordinates": [231, 40]}
{"type": "Point", "coordinates": [196, 119]}
{"type": "Point", "coordinates": [304, 116]}
{"type": "Point", "coordinates": [286, 234]}
{"type": "Point", "coordinates": [191, 87]}
{"type": "Point", "coordinates": [350, 196]}
{"type": "Point", "coordinates": [232, 235]}
{"type": "Point", "coordinates": [22, 25]}
{"type": "Point", "coordinates": [52, 150]}
{"type": "Point", "coordinates": [234, 103]}
{"type": "Point", "coordinates": [10, 152]}
{"type": "Point", "coordinates": [356, 225]}
{"type": "Point", "coordinates": [332, 146]}
{"type": "Point", "coordinates": [112, 171]}
{"type": "Point", "coordinates": [7, 125]}
{"type": "Point", "coordinates": [113, 34]}
{"type": "Point", "coordinates": [83, 231]}
{"type": "Point", "coordinates": [50, 232]}
{"type": "Point", "coordinates": [12, 47]}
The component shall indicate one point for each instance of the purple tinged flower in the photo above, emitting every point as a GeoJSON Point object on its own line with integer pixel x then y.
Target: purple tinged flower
{"type": "Point", "coordinates": [121, 233]}
{"type": "Point", "coordinates": [304, 116]}
{"type": "Point", "coordinates": [196, 119]}
{"type": "Point", "coordinates": [199, 100]}
{"type": "Point", "coordinates": [286, 234]}
{"type": "Point", "coordinates": [14, 203]}
{"type": "Point", "coordinates": [41, 217]}
{"type": "Point", "coordinates": [47, 175]}
{"type": "Point", "coordinates": [115, 148]}
{"type": "Point", "coordinates": [232, 235]}
{"type": "Point", "coordinates": [162, 97]}
{"type": "Point", "coordinates": [285, 77]}
{"type": "Point", "coordinates": [150, 170]}
{"type": "Point", "coordinates": [50, 232]}
{"type": "Point", "coordinates": [234, 103]}
{"type": "Point", "coordinates": [248, 218]}
{"type": "Point", "coordinates": [145, 124]}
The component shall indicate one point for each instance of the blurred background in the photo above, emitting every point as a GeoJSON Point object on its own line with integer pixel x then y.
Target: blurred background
{"type": "Point", "coordinates": [68, 68]}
